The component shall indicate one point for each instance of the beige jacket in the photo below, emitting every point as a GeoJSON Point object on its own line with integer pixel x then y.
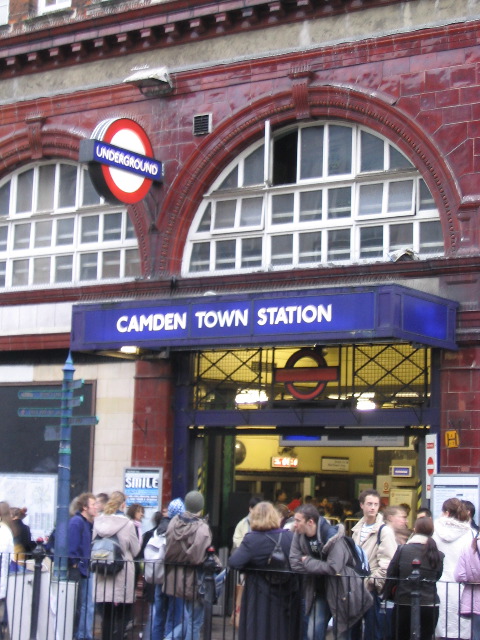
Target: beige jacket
{"type": "Point", "coordinates": [379, 555]}
{"type": "Point", "coordinates": [120, 587]}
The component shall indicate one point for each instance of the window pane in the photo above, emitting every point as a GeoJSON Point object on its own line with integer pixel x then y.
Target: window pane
{"type": "Point", "coordinates": [231, 181]}
{"type": "Point", "coordinates": [24, 191]}
{"type": "Point", "coordinates": [426, 199]}
{"type": "Point", "coordinates": [206, 219]}
{"type": "Point", "coordinates": [5, 199]}
{"type": "Point", "coordinates": [41, 270]}
{"type": "Point", "coordinates": [401, 236]}
{"type": "Point", "coordinates": [3, 271]}
{"type": "Point", "coordinates": [431, 237]}
{"type": "Point", "coordinates": [43, 233]}
{"type": "Point", "coordinates": [371, 242]}
{"type": "Point", "coordinates": [65, 229]}
{"type": "Point", "coordinates": [200, 259]}
{"type": "Point", "coordinates": [282, 250]}
{"type": "Point", "coordinates": [400, 196]}
{"type": "Point", "coordinates": [20, 273]}
{"type": "Point", "coordinates": [225, 254]}
{"type": "Point", "coordinates": [111, 264]}
{"type": "Point", "coordinates": [253, 167]}
{"type": "Point", "coordinates": [3, 238]}
{"type": "Point", "coordinates": [398, 160]}
{"type": "Point", "coordinates": [310, 206]}
{"type": "Point", "coordinates": [310, 247]}
{"type": "Point", "coordinates": [88, 266]}
{"type": "Point", "coordinates": [251, 212]}
{"type": "Point", "coordinates": [89, 229]}
{"type": "Point", "coordinates": [251, 252]}
{"type": "Point", "coordinates": [68, 185]}
{"type": "Point", "coordinates": [112, 227]}
{"type": "Point", "coordinates": [46, 187]}
{"type": "Point", "coordinates": [372, 154]}
{"type": "Point", "coordinates": [64, 269]}
{"type": "Point", "coordinates": [339, 244]}
{"type": "Point", "coordinates": [285, 159]}
{"type": "Point", "coordinates": [132, 263]}
{"type": "Point", "coordinates": [282, 209]}
{"type": "Point", "coordinates": [339, 150]}
{"type": "Point", "coordinates": [90, 196]}
{"type": "Point", "coordinates": [225, 214]}
{"type": "Point", "coordinates": [311, 159]}
{"type": "Point", "coordinates": [370, 199]}
{"type": "Point", "coordinates": [339, 203]}
{"type": "Point", "coordinates": [21, 236]}
{"type": "Point", "coordinates": [130, 229]}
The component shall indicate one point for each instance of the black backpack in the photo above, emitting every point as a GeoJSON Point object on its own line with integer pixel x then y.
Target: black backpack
{"type": "Point", "coordinates": [278, 563]}
{"type": "Point", "coordinates": [106, 556]}
{"type": "Point", "coordinates": [359, 562]}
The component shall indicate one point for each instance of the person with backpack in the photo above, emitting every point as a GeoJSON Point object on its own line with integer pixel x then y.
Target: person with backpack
{"type": "Point", "coordinates": [309, 554]}
{"type": "Point", "coordinates": [421, 546]}
{"type": "Point", "coordinates": [378, 541]}
{"type": "Point", "coordinates": [188, 538]}
{"type": "Point", "coordinates": [115, 584]}
{"type": "Point", "coordinates": [167, 610]}
{"type": "Point", "coordinates": [271, 607]}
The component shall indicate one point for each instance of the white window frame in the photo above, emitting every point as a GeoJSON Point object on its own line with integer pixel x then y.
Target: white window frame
{"type": "Point", "coordinates": [355, 180]}
{"type": "Point", "coordinates": [75, 248]}
{"type": "Point", "coordinates": [57, 6]}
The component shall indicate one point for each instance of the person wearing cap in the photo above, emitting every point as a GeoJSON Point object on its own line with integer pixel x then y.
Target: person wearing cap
{"type": "Point", "coordinates": [188, 538]}
{"type": "Point", "coordinates": [167, 610]}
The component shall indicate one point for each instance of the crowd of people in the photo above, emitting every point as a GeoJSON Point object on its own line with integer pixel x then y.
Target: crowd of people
{"type": "Point", "coordinates": [373, 606]}
{"type": "Point", "coordinates": [297, 570]}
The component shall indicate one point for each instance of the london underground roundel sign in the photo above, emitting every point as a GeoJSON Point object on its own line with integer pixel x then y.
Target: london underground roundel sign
{"type": "Point", "coordinates": [120, 160]}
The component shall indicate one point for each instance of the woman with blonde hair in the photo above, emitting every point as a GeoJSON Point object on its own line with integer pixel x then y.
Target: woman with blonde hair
{"type": "Point", "coordinates": [6, 552]}
{"type": "Point", "coordinates": [116, 592]}
{"type": "Point", "coordinates": [270, 607]}
{"type": "Point", "coordinates": [452, 534]}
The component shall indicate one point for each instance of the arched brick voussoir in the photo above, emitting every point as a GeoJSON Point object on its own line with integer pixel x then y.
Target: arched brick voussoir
{"type": "Point", "coordinates": [62, 143]}
{"type": "Point", "coordinates": [246, 126]}
{"type": "Point", "coordinates": [46, 142]}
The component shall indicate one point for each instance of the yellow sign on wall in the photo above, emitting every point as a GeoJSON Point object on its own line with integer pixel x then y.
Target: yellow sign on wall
{"type": "Point", "coordinates": [452, 441]}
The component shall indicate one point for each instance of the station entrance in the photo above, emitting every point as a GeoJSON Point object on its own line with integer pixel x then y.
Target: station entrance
{"type": "Point", "coordinates": [320, 421]}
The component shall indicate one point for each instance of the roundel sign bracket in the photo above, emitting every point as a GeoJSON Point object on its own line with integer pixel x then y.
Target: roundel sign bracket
{"type": "Point", "coordinates": [293, 375]}
{"type": "Point", "coordinates": [120, 161]}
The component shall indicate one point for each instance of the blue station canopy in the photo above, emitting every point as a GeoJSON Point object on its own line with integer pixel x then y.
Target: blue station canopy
{"type": "Point", "coordinates": [386, 313]}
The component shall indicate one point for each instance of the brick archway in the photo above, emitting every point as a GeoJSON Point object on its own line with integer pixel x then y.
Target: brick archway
{"type": "Point", "coordinates": [318, 102]}
{"type": "Point", "coordinates": [37, 141]}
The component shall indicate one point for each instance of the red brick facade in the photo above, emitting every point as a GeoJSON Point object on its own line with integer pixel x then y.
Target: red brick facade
{"type": "Point", "coordinates": [421, 90]}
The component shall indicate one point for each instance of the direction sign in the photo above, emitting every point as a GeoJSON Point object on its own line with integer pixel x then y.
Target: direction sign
{"type": "Point", "coordinates": [39, 412]}
{"type": "Point", "coordinates": [40, 394]}
{"type": "Point", "coordinates": [83, 421]}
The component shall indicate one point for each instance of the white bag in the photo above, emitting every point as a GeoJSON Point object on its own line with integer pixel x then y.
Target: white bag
{"type": "Point", "coordinates": [154, 555]}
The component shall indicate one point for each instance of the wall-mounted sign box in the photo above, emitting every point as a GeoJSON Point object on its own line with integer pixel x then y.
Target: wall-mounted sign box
{"type": "Point", "coordinates": [401, 472]}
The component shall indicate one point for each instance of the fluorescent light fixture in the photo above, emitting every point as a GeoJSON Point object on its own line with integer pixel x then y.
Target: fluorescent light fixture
{"type": "Point", "coordinates": [251, 396]}
{"type": "Point", "coordinates": [130, 349]}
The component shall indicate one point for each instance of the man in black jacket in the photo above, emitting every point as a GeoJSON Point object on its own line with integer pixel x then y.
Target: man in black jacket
{"type": "Point", "coordinates": [312, 532]}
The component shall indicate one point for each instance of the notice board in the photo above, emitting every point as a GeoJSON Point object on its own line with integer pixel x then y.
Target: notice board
{"type": "Point", "coordinates": [464, 486]}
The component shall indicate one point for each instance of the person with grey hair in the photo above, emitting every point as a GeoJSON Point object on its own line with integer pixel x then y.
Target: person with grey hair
{"type": "Point", "coordinates": [188, 538]}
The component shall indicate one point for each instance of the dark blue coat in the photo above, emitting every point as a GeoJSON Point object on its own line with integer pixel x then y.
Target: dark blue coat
{"type": "Point", "coordinates": [79, 542]}
{"type": "Point", "coordinates": [268, 611]}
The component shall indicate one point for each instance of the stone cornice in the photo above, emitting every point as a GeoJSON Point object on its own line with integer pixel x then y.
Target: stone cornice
{"type": "Point", "coordinates": [108, 29]}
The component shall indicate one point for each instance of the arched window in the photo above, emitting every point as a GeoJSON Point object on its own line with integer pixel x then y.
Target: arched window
{"type": "Point", "coordinates": [332, 193]}
{"type": "Point", "coordinates": [56, 230]}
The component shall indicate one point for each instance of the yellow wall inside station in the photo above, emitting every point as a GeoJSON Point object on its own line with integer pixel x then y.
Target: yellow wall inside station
{"type": "Point", "coordinates": [261, 449]}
